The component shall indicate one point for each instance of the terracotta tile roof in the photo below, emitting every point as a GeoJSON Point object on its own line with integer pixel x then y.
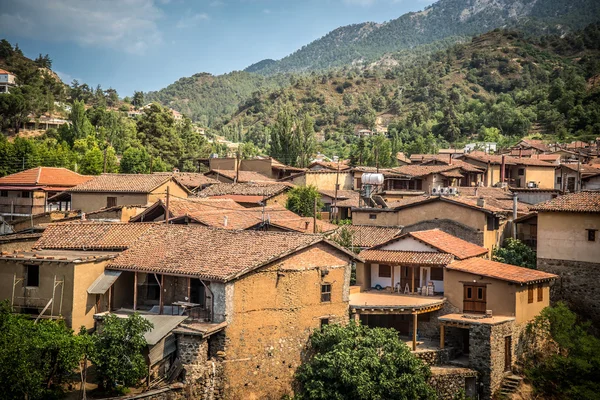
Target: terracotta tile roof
{"type": "Point", "coordinates": [331, 165]}
{"type": "Point", "coordinates": [244, 176]}
{"type": "Point", "coordinates": [489, 206]}
{"type": "Point", "coordinates": [91, 236]}
{"type": "Point", "coordinates": [452, 174]}
{"type": "Point", "coordinates": [190, 180]}
{"type": "Point", "coordinates": [586, 170]}
{"type": "Point", "coordinates": [461, 249]}
{"type": "Point", "coordinates": [498, 270]}
{"type": "Point", "coordinates": [122, 183]}
{"type": "Point", "coordinates": [573, 202]}
{"type": "Point", "coordinates": [546, 157]}
{"type": "Point", "coordinates": [578, 144]}
{"type": "Point", "coordinates": [45, 176]}
{"type": "Point", "coordinates": [536, 144]}
{"type": "Point", "coordinates": [212, 254]}
{"type": "Point", "coordinates": [369, 236]}
{"type": "Point", "coordinates": [245, 189]}
{"type": "Point", "coordinates": [406, 257]}
{"type": "Point", "coordinates": [508, 160]}
{"type": "Point", "coordinates": [465, 166]}
{"type": "Point", "coordinates": [421, 170]}
{"type": "Point", "coordinates": [400, 156]}
{"type": "Point", "coordinates": [3, 71]}
{"type": "Point", "coordinates": [345, 198]}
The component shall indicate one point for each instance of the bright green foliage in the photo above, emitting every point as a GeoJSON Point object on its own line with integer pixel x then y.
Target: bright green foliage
{"type": "Point", "coordinates": [515, 252]}
{"type": "Point", "coordinates": [158, 134]}
{"type": "Point", "coordinates": [358, 362]}
{"type": "Point", "coordinates": [138, 99]}
{"type": "Point", "coordinates": [135, 160]}
{"type": "Point", "coordinates": [117, 351]}
{"type": "Point", "coordinates": [306, 141]}
{"type": "Point", "coordinates": [284, 142]}
{"type": "Point", "coordinates": [301, 200]}
{"type": "Point", "coordinates": [567, 367]}
{"type": "Point", "coordinates": [35, 358]}
{"type": "Point", "coordinates": [344, 237]}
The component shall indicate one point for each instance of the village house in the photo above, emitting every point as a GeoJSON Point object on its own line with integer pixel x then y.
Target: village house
{"type": "Point", "coordinates": [110, 190]}
{"type": "Point", "coordinates": [193, 181]}
{"type": "Point", "coordinates": [365, 236]}
{"type": "Point", "coordinates": [342, 165]}
{"type": "Point", "coordinates": [7, 81]}
{"type": "Point", "coordinates": [255, 194]}
{"type": "Point", "coordinates": [28, 192]}
{"type": "Point", "coordinates": [268, 167]}
{"type": "Point", "coordinates": [63, 275]}
{"type": "Point", "coordinates": [428, 177]}
{"type": "Point", "coordinates": [513, 171]}
{"type": "Point", "coordinates": [231, 176]}
{"type": "Point", "coordinates": [343, 200]}
{"type": "Point", "coordinates": [17, 242]}
{"type": "Point", "coordinates": [402, 159]}
{"type": "Point", "coordinates": [478, 215]}
{"type": "Point", "coordinates": [270, 290]}
{"type": "Point", "coordinates": [576, 177]}
{"type": "Point", "coordinates": [322, 179]}
{"type": "Point", "coordinates": [535, 146]}
{"type": "Point", "coordinates": [568, 245]}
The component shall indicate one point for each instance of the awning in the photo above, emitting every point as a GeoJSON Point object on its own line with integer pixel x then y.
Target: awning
{"type": "Point", "coordinates": [104, 281]}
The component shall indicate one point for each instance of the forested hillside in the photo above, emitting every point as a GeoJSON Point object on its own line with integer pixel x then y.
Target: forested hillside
{"type": "Point", "coordinates": [500, 86]}
{"type": "Point", "coordinates": [362, 43]}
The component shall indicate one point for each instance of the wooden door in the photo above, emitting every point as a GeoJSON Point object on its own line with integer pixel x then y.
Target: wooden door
{"type": "Point", "coordinates": [406, 278]}
{"type": "Point", "coordinates": [507, 353]}
{"type": "Point", "coordinates": [474, 299]}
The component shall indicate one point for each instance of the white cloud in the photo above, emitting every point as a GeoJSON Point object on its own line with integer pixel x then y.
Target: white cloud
{"type": "Point", "coordinates": [363, 3]}
{"type": "Point", "coordinates": [266, 11]}
{"type": "Point", "coordinates": [126, 25]}
{"type": "Point", "coordinates": [190, 20]}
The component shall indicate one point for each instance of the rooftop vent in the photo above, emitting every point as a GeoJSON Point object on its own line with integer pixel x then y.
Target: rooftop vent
{"type": "Point", "coordinates": [481, 202]}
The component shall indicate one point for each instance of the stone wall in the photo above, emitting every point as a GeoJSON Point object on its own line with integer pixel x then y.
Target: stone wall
{"type": "Point", "coordinates": [448, 382]}
{"type": "Point", "coordinates": [449, 226]}
{"type": "Point", "coordinates": [430, 327]}
{"type": "Point", "coordinates": [203, 377]}
{"type": "Point", "coordinates": [434, 357]}
{"type": "Point", "coordinates": [577, 286]}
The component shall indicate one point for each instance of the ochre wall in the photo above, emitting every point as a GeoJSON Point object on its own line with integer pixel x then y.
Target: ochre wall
{"type": "Point", "coordinates": [274, 311]}
{"type": "Point", "coordinates": [527, 311]}
{"type": "Point", "coordinates": [501, 297]}
{"type": "Point", "coordinates": [87, 202]}
{"type": "Point", "coordinates": [161, 192]}
{"type": "Point", "coordinates": [544, 176]}
{"type": "Point", "coordinates": [84, 304]}
{"type": "Point", "coordinates": [563, 236]}
{"type": "Point", "coordinates": [326, 180]}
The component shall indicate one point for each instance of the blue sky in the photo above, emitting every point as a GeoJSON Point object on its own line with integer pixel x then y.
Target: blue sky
{"type": "Point", "coordinates": [147, 44]}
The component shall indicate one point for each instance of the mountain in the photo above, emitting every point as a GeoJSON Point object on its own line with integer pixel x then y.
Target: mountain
{"type": "Point", "coordinates": [500, 86]}
{"type": "Point", "coordinates": [260, 65]}
{"type": "Point", "coordinates": [361, 43]}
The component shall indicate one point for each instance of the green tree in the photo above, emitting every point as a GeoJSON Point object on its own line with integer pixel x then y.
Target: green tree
{"type": "Point", "coordinates": [306, 141]}
{"type": "Point", "coordinates": [35, 357]}
{"type": "Point", "coordinates": [135, 160]}
{"type": "Point", "coordinates": [92, 162]}
{"type": "Point", "coordinates": [358, 362]}
{"type": "Point", "coordinates": [117, 351]}
{"type": "Point", "coordinates": [157, 132]}
{"type": "Point", "coordinates": [515, 252]}
{"type": "Point", "coordinates": [138, 99]}
{"type": "Point", "coordinates": [566, 364]}
{"type": "Point", "coordinates": [284, 145]}
{"type": "Point", "coordinates": [13, 111]}
{"type": "Point", "coordinates": [302, 200]}
{"type": "Point", "coordinates": [80, 125]}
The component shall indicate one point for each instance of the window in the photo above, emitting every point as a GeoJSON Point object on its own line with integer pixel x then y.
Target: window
{"type": "Point", "coordinates": [437, 274]}
{"type": "Point", "coordinates": [3, 193]}
{"type": "Point", "coordinates": [324, 321]}
{"type": "Point", "coordinates": [25, 194]}
{"type": "Point", "coordinates": [325, 292]}
{"type": "Point", "coordinates": [111, 202]}
{"type": "Point", "coordinates": [540, 292]}
{"type": "Point", "coordinates": [521, 171]}
{"type": "Point", "coordinates": [372, 216]}
{"type": "Point", "coordinates": [469, 293]}
{"type": "Point", "coordinates": [479, 293]}
{"type": "Point", "coordinates": [385, 271]}
{"type": "Point", "coordinates": [559, 180]}
{"type": "Point", "coordinates": [32, 275]}
{"type": "Point", "coordinates": [591, 235]}
{"type": "Point", "coordinates": [530, 294]}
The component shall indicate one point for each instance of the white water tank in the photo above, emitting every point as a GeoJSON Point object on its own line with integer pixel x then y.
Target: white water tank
{"type": "Point", "coordinates": [372, 179]}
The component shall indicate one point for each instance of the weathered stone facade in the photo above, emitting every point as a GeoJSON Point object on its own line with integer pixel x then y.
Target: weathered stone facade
{"type": "Point", "coordinates": [577, 286]}
{"type": "Point", "coordinates": [204, 378]}
{"type": "Point", "coordinates": [450, 381]}
{"type": "Point", "coordinates": [435, 357]}
{"type": "Point", "coordinates": [454, 228]}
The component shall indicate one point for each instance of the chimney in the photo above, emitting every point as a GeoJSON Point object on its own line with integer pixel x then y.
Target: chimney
{"type": "Point", "coordinates": [502, 169]}
{"type": "Point", "coordinates": [514, 226]}
{"type": "Point", "coordinates": [306, 224]}
{"type": "Point", "coordinates": [481, 202]}
{"type": "Point", "coordinates": [450, 161]}
{"type": "Point", "coordinates": [225, 221]}
{"type": "Point", "coordinates": [520, 152]}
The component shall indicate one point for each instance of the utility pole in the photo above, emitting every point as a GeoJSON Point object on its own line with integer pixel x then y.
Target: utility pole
{"type": "Point", "coordinates": [315, 216]}
{"type": "Point", "coordinates": [337, 186]}
{"type": "Point", "coordinates": [167, 205]}
{"type": "Point", "coordinates": [237, 166]}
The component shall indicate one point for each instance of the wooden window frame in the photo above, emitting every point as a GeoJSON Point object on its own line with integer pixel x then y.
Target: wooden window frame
{"type": "Point", "coordinates": [372, 216]}
{"type": "Point", "coordinates": [540, 292]}
{"type": "Point", "coordinates": [3, 193]}
{"type": "Point", "coordinates": [25, 194]}
{"type": "Point", "coordinates": [325, 292]}
{"type": "Point", "coordinates": [111, 201]}
{"type": "Point", "coordinates": [389, 271]}
{"type": "Point", "coordinates": [529, 294]}
{"type": "Point", "coordinates": [591, 235]}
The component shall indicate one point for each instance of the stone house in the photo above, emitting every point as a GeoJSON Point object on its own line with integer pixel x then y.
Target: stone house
{"type": "Point", "coordinates": [62, 275]}
{"type": "Point", "coordinates": [193, 181]}
{"type": "Point", "coordinates": [425, 178]}
{"type": "Point", "coordinates": [568, 245]}
{"type": "Point", "coordinates": [231, 176]}
{"type": "Point", "coordinates": [512, 171]}
{"type": "Point", "coordinates": [267, 167]}
{"type": "Point", "coordinates": [364, 236]}
{"type": "Point", "coordinates": [270, 289]}
{"type": "Point", "coordinates": [28, 192]}
{"type": "Point", "coordinates": [343, 200]}
{"type": "Point", "coordinates": [110, 190]}
{"type": "Point", "coordinates": [322, 179]}
{"type": "Point", "coordinates": [255, 194]}
{"type": "Point", "coordinates": [576, 177]}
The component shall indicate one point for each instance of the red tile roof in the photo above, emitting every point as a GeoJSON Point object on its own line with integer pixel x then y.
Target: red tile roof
{"type": "Point", "coordinates": [243, 176]}
{"type": "Point", "coordinates": [45, 176]}
{"type": "Point", "coordinates": [498, 270]}
{"type": "Point", "coordinates": [213, 254]}
{"type": "Point", "coordinates": [345, 198]}
{"type": "Point", "coordinates": [266, 189]}
{"type": "Point", "coordinates": [536, 144]}
{"type": "Point", "coordinates": [587, 202]}
{"type": "Point", "coordinates": [406, 257]}
{"type": "Point", "coordinates": [461, 249]}
{"type": "Point", "coordinates": [122, 183]}
{"type": "Point", "coordinates": [91, 236]}
{"type": "Point", "coordinates": [369, 236]}
{"type": "Point", "coordinates": [331, 165]}
{"type": "Point", "coordinates": [421, 170]}
{"type": "Point", "coordinates": [508, 160]}
{"type": "Point", "coordinates": [190, 180]}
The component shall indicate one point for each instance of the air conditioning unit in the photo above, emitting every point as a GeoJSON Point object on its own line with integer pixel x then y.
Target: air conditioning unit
{"type": "Point", "coordinates": [436, 191]}
{"type": "Point", "coordinates": [531, 184]}
{"type": "Point", "coordinates": [453, 190]}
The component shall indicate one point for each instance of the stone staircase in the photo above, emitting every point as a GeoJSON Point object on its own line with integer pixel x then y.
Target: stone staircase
{"type": "Point", "coordinates": [510, 384]}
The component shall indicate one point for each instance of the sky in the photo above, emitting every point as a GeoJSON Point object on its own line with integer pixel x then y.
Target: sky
{"type": "Point", "coordinates": [147, 44]}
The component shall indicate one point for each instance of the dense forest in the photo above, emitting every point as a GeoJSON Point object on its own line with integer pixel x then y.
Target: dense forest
{"type": "Point", "coordinates": [501, 86]}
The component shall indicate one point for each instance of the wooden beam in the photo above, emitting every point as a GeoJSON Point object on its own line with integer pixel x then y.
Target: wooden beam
{"type": "Point", "coordinates": [442, 338]}
{"type": "Point", "coordinates": [162, 294]}
{"type": "Point", "coordinates": [135, 284]}
{"type": "Point", "coordinates": [393, 267]}
{"type": "Point", "coordinates": [414, 341]}
{"type": "Point", "coordinates": [412, 269]}
{"type": "Point", "coordinates": [109, 298]}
